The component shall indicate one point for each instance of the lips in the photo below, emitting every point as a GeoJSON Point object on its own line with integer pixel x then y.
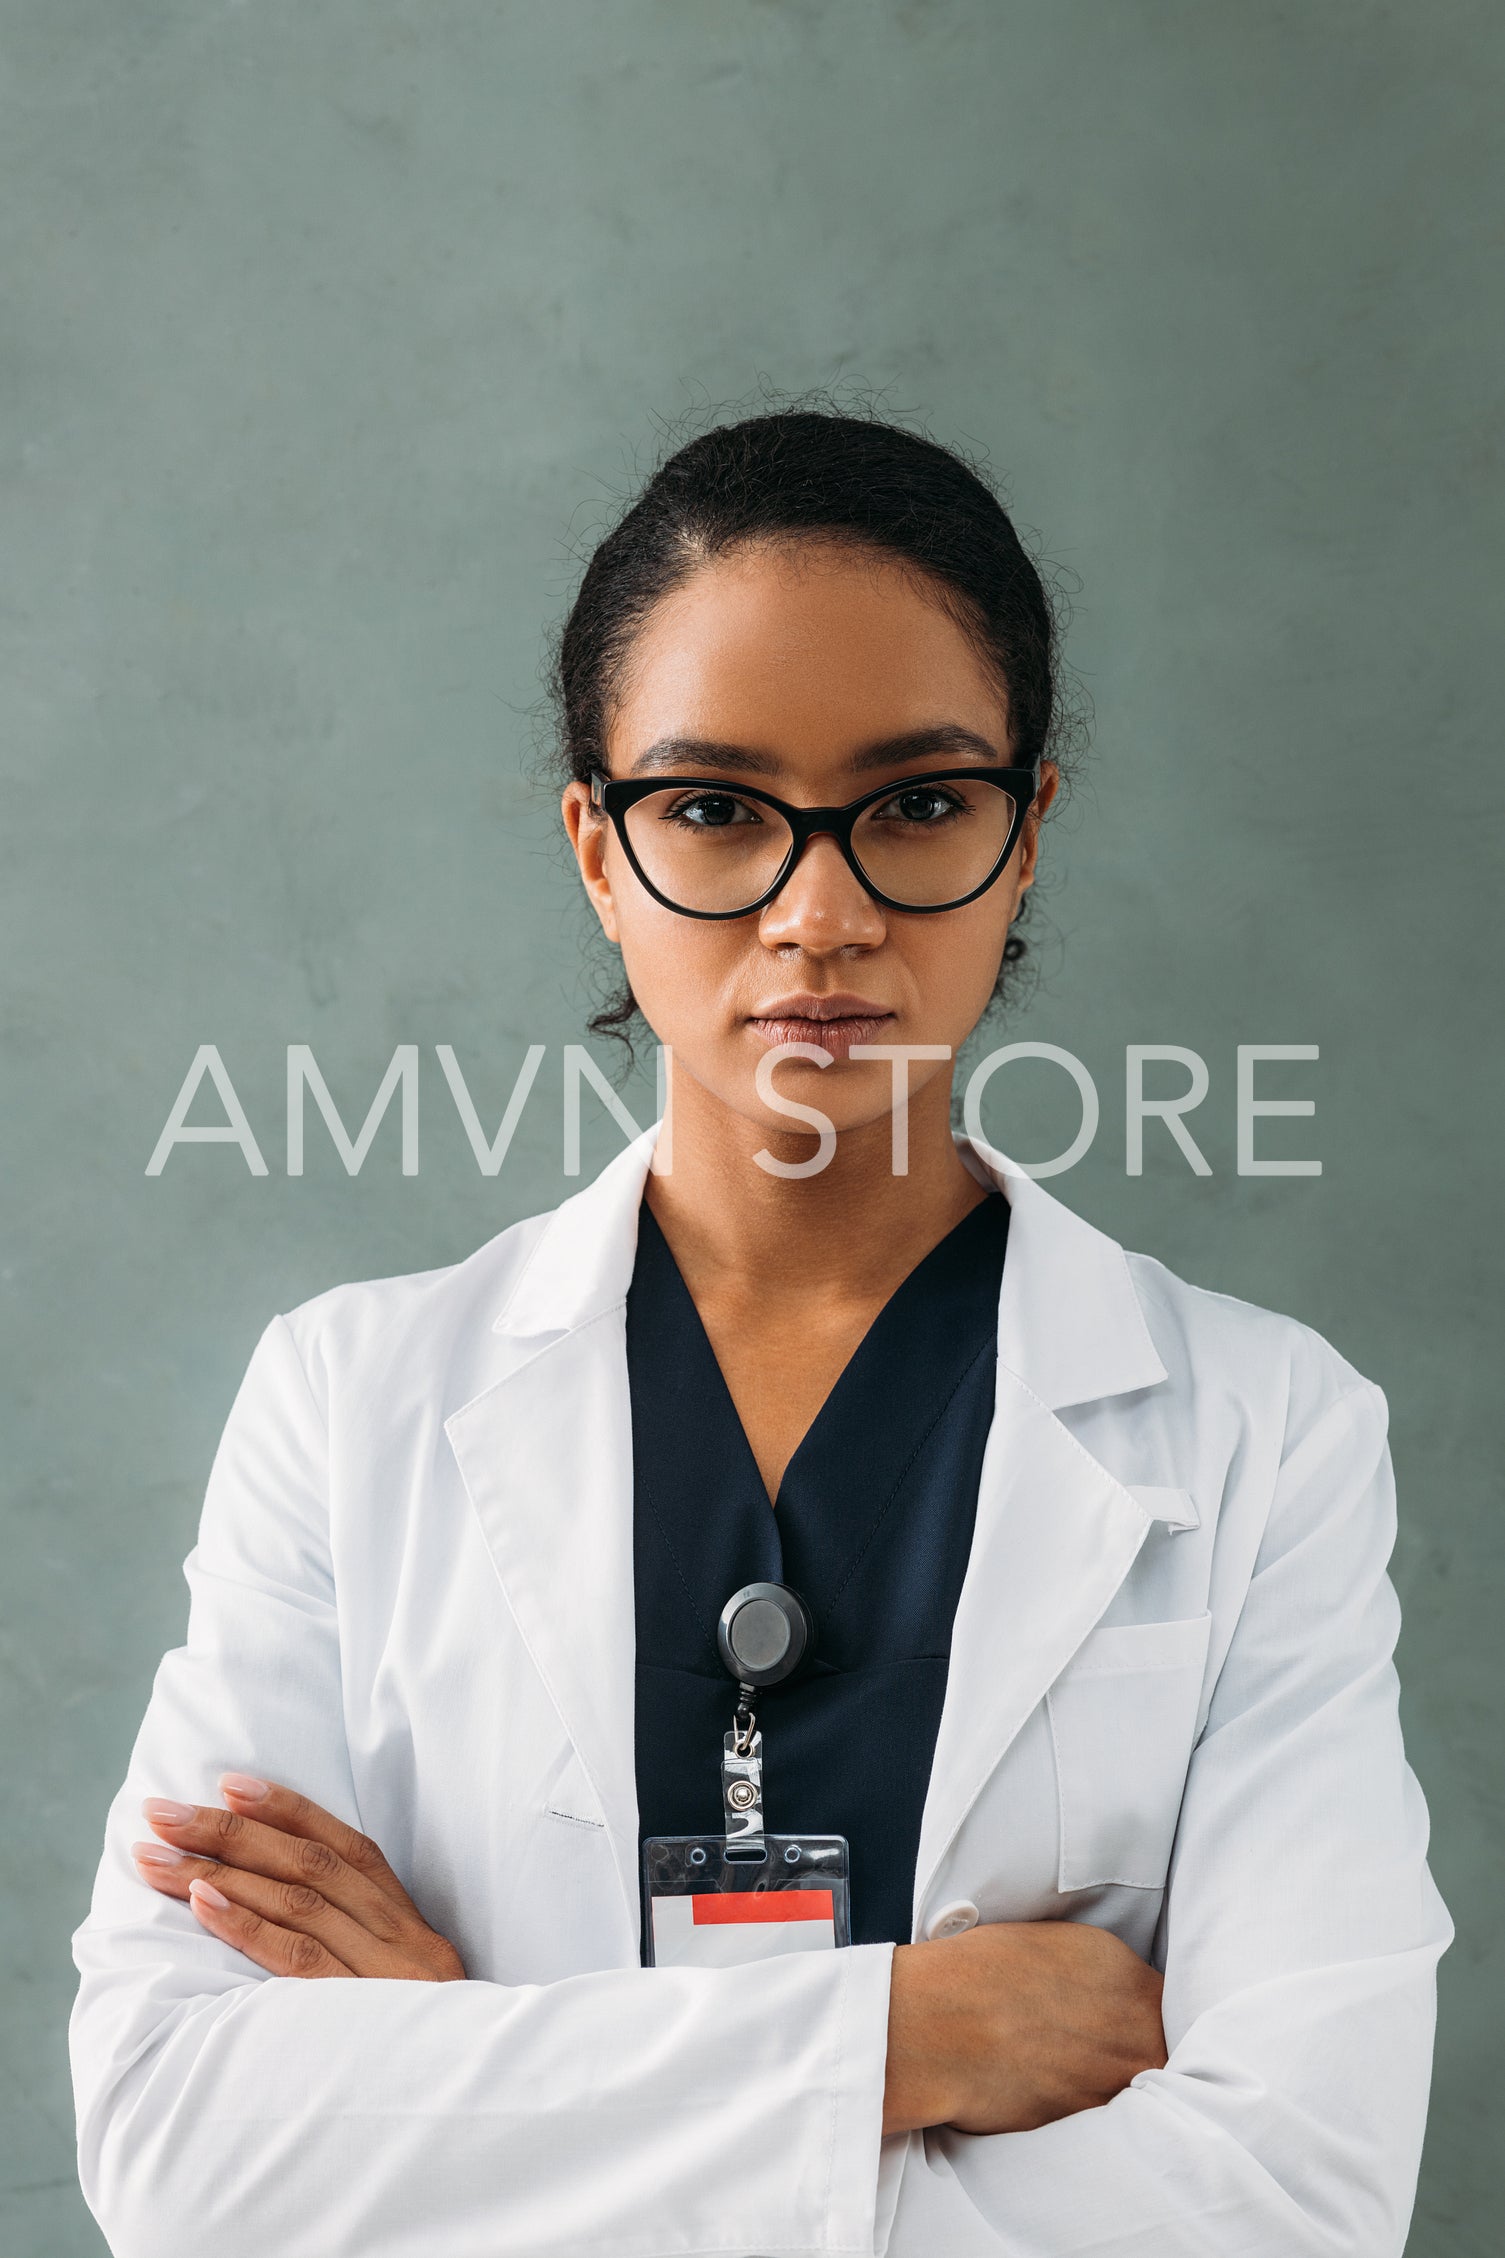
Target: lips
{"type": "Point", "coordinates": [836, 1023]}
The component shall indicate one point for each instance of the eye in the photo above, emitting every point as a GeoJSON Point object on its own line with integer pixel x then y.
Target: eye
{"type": "Point", "coordinates": [926, 804]}
{"type": "Point", "coordinates": [709, 811]}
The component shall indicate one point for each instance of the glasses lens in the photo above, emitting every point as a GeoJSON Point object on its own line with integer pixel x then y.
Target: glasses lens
{"type": "Point", "coordinates": [708, 848]}
{"type": "Point", "coordinates": [934, 843]}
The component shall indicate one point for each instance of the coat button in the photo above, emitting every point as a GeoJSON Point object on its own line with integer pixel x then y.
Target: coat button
{"type": "Point", "coordinates": [952, 1920]}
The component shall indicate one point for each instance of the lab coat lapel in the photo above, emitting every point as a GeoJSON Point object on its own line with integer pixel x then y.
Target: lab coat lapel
{"type": "Point", "coordinates": [1055, 1537]}
{"type": "Point", "coordinates": [1056, 1532]}
{"type": "Point", "coordinates": [546, 1456]}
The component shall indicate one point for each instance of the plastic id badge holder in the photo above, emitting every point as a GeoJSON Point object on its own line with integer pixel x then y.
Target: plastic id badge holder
{"type": "Point", "coordinates": [716, 1901]}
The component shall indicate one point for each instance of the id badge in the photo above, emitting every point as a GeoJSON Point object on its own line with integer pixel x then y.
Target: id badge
{"type": "Point", "coordinates": [710, 1905]}
{"type": "Point", "coordinates": [716, 1901]}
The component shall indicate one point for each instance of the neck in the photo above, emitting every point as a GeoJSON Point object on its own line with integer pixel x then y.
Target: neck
{"type": "Point", "coordinates": [849, 1233]}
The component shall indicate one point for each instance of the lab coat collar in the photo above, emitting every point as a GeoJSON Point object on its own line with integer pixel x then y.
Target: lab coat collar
{"type": "Point", "coordinates": [546, 1454]}
{"type": "Point", "coordinates": [1070, 1325]}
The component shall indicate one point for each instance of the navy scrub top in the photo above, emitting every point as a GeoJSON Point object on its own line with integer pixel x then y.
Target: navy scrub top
{"type": "Point", "coordinates": [872, 1526]}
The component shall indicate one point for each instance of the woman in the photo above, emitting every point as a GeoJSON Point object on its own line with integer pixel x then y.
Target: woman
{"type": "Point", "coordinates": [1098, 1690]}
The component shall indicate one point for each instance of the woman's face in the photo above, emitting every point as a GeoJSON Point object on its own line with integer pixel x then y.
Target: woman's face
{"type": "Point", "coordinates": [793, 668]}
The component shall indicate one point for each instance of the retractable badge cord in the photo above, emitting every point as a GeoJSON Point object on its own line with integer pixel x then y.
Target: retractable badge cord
{"type": "Point", "coordinates": [763, 1633]}
{"type": "Point", "coordinates": [718, 1901]}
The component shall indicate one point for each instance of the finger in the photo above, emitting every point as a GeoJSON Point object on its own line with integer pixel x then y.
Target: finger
{"type": "Point", "coordinates": [297, 1907]}
{"type": "Point", "coordinates": [282, 1952]}
{"type": "Point", "coordinates": [168, 1869]}
{"type": "Point", "coordinates": [286, 1905]}
{"type": "Point", "coordinates": [224, 1838]}
{"type": "Point", "coordinates": [291, 1905]}
{"type": "Point", "coordinates": [419, 1953]}
{"type": "Point", "coordinates": [294, 1814]}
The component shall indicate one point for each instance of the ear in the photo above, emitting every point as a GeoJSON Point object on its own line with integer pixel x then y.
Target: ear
{"type": "Point", "coordinates": [1029, 845]}
{"type": "Point", "coordinates": [590, 835]}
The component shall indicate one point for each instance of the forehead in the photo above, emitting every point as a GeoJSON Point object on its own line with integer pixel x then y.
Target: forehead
{"type": "Point", "coordinates": [806, 649]}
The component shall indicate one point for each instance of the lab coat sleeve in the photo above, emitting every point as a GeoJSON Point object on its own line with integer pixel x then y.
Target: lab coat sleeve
{"type": "Point", "coordinates": [1300, 1938]}
{"type": "Point", "coordinates": [623, 2111]}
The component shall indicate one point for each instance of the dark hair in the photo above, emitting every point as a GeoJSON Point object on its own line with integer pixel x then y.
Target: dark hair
{"type": "Point", "coordinates": [805, 471]}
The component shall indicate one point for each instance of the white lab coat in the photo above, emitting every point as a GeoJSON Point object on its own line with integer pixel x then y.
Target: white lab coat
{"type": "Point", "coordinates": [1171, 1710]}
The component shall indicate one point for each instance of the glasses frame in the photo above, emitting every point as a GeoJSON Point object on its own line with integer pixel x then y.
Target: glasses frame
{"type": "Point", "coordinates": [614, 795]}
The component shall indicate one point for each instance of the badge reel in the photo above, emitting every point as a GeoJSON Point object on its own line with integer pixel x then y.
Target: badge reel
{"type": "Point", "coordinates": [715, 1901]}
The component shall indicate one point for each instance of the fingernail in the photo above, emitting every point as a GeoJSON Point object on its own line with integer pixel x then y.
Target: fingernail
{"type": "Point", "coordinates": [162, 1813]}
{"type": "Point", "coordinates": [158, 1854]}
{"type": "Point", "coordinates": [241, 1785]}
{"type": "Point", "coordinates": [207, 1894]}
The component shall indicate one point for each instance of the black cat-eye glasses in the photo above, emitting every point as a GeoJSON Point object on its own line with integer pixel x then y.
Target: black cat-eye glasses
{"type": "Point", "coordinates": [707, 848]}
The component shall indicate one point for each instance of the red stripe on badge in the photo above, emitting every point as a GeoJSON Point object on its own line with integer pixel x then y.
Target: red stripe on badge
{"type": "Point", "coordinates": [762, 1905]}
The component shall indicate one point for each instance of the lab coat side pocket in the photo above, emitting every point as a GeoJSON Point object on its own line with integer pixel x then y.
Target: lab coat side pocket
{"type": "Point", "coordinates": [1123, 1717]}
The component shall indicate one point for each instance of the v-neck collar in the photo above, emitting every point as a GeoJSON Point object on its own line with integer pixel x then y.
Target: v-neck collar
{"type": "Point", "coordinates": [1073, 1327]}
{"type": "Point", "coordinates": [701, 1495]}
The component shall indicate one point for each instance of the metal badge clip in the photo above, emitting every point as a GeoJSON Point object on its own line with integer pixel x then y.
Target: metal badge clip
{"type": "Point", "coordinates": [742, 1779]}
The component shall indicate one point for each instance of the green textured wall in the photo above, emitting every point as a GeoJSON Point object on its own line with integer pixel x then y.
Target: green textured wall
{"type": "Point", "coordinates": [330, 328]}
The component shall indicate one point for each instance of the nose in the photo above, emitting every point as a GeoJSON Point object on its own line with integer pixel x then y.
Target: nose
{"type": "Point", "coordinates": [823, 906]}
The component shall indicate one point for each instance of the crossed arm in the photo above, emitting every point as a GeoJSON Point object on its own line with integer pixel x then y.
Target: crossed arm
{"type": "Point", "coordinates": [635, 2109]}
{"type": "Point", "coordinates": [1008, 2027]}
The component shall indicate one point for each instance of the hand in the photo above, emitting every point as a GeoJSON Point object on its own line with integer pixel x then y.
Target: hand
{"type": "Point", "coordinates": [290, 1886]}
{"type": "Point", "coordinates": [1016, 2024]}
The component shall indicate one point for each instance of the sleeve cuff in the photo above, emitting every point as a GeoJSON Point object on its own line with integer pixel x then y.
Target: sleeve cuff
{"type": "Point", "coordinates": [863, 2164]}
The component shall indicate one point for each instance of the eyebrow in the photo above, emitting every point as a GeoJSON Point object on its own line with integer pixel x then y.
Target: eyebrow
{"type": "Point", "coordinates": [671, 754]}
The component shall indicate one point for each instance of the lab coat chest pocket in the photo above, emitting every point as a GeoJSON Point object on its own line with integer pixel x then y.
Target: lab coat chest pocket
{"type": "Point", "coordinates": [1122, 1719]}
{"type": "Point", "coordinates": [568, 1794]}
